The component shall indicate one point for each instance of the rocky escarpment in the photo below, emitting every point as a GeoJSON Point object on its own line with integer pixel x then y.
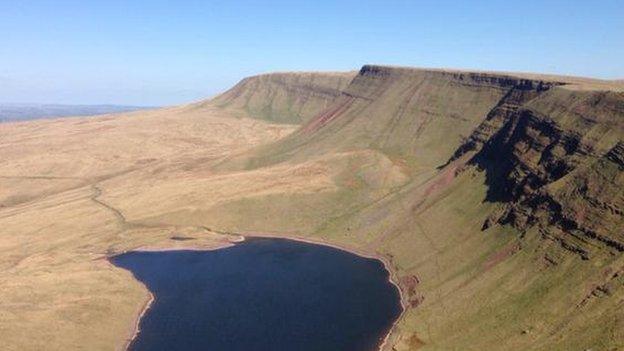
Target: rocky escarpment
{"type": "Point", "coordinates": [406, 113]}
{"type": "Point", "coordinates": [532, 161]}
{"type": "Point", "coordinates": [546, 149]}
{"type": "Point", "coordinates": [284, 97]}
{"type": "Point", "coordinates": [555, 162]}
{"type": "Point", "coordinates": [504, 112]}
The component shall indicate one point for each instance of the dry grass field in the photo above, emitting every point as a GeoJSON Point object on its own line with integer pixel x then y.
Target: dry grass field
{"type": "Point", "coordinates": [58, 290]}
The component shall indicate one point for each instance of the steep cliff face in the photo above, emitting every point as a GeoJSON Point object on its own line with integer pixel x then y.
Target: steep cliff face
{"type": "Point", "coordinates": [513, 201]}
{"type": "Point", "coordinates": [545, 149]}
{"type": "Point", "coordinates": [554, 163]}
{"type": "Point", "coordinates": [284, 97]}
{"type": "Point", "coordinates": [422, 116]}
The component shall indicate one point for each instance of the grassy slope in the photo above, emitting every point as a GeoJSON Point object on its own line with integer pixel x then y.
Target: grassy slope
{"type": "Point", "coordinates": [364, 171]}
{"type": "Point", "coordinates": [58, 292]}
{"type": "Point", "coordinates": [403, 114]}
{"type": "Point", "coordinates": [479, 289]}
{"type": "Point", "coordinates": [283, 97]}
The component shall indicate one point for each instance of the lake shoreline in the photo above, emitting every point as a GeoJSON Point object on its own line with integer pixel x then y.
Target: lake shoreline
{"type": "Point", "coordinates": [385, 345]}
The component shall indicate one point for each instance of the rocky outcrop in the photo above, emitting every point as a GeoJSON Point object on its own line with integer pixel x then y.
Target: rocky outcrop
{"type": "Point", "coordinates": [616, 155]}
{"type": "Point", "coordinates": [501, 114]}
{"type": "Point", "coordinates": [556, 162]}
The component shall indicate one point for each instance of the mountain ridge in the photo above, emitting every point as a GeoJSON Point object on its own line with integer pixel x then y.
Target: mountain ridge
{"type": "Point", "coordinates": [544, 146]}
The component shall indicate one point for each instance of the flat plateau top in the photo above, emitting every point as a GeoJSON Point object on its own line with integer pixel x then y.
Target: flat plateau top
{"type": "Point", "coordinates": [568, 82]}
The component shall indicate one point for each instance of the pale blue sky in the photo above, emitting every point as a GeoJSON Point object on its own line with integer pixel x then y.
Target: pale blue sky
{"type": "Point", "coordinates": [166, 52]}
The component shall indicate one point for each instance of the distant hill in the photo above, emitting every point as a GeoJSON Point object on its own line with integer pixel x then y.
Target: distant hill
{"type": "Point", "coordinates": [23, 112]}
{"type": "Point", "coordinates": [284, 97]}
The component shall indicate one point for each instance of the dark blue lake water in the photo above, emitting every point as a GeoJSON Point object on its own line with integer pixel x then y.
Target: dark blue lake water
{"type": "Point", "coordinates": [263, 295]}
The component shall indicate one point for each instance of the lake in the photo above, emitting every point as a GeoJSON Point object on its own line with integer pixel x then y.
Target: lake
{"type": "Point", "coordinates": [263, 295]}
